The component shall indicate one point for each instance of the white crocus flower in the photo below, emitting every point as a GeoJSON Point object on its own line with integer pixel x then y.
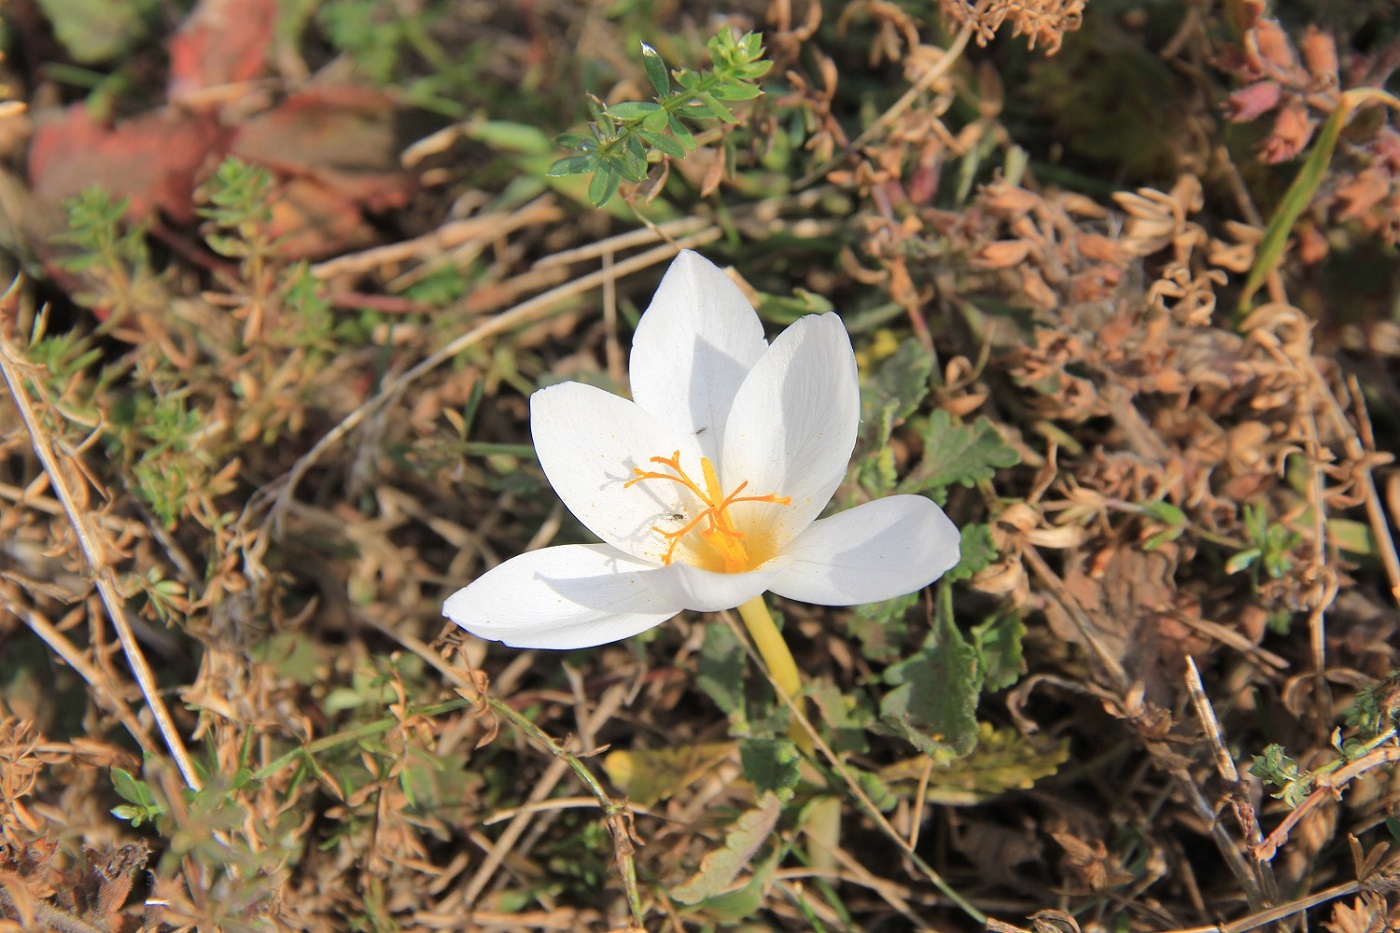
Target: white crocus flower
{"type": "Point", "coordinates": [705, 488]}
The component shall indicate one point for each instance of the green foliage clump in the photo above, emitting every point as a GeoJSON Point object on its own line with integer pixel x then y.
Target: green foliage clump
{"type": "Point", "coordinates": [621, 136]}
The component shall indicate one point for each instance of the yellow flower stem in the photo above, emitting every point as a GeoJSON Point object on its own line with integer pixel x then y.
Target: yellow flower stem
{"type": "Point", "coordinates": [823, 823]}
{"type": "Point", "coordinates": [778, 658]}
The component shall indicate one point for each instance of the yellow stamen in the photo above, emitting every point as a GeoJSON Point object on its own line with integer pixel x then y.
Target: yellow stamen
{"type": "Point", "coordinates": [719, 532]}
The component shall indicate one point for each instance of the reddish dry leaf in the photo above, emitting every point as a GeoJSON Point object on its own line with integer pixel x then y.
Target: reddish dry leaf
{"type": "Point", "coordinates": [1320, 55]}
{"type": "Point", "coordinates": [347, 138]}
{"type": "Point", "coordinates": [311, 220]}
{"type": "Point", "coordinates": [1250, 103]}
{"type": "Point", "coordinates": [152, 160]}
{"type": "Point", "coordinates": [1292, 130]}
{"type": "Point", "coordinates": [1273, 45]}
{"type": "Point", "coordinates": [220, 42]}
{"type": "Point", "coordinates": [1361, 195]}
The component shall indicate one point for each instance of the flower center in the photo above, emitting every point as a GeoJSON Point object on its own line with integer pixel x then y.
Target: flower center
{"type": "Point", "coordinates": [715, 523]}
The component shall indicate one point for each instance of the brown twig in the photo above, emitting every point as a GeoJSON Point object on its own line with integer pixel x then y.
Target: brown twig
{"type": "Point", "coordinates": [1328, 786]}
{"type": "Point", "coordinates": [1225, 765]}
{"type": "Point", "coordinates": [95, 678]}
{"type": "Point", "coordinates": [276, 496]}
{"type": "Point", "coordinates": [937, 70]}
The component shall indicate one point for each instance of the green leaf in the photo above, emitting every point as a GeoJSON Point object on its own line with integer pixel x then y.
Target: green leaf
{"type": "Point", "coordinates": [1243, 560]}
{"type": "Point", "coordinates": [899, 384]}
{"type": "Point", "coordinates": [998, 645]}
{"type": "Point", "coordinates": [97, 30]}
{"type": "Point", "coordinates": [881, 627]}
{"type": "Point", "coordinates": [1003, 760]}
{"type": "Point", "coordinates": [509, 136]}
{"type": "Point", "coordinates": [656, 70]}
{"type": "Point", "coordinates": [846, 715]}
{"type": "Point", "coordinates": [957, 453]}
{"type": "Point", "coordinates": [718, 110]}
{"type": "Point", "coordinates": [721, 669]}
{"type": "Point", "coordinates": [603, 186]}
{"type": "Point", "coordinates": [934, 701]}
{"type": "Point", "coordinates": [682, 134]}
{"type": "Point", "coordinates": [876, 789]}
{"type": "Point", "coordinates": [129, 788]}
{"type": "Point", "coordinates": [770, 765]}
{"type": "Point", "coordinates": [572, 165]}
{"type": "Point", "coordinates": [890, 396]}
{"type": "Point", "coordinates": [632, 109]}
{"type": "Point", "coordinates": [976, 553]}
{"type": "Point", "coordinates": [719, 868]}
{"type": "Point", "coordinates": [142, 807]}
{"type": "Point", "coordinates": [737, 91]}
{"type": "Point", "coordinates": [651, 774]}
{"type": "Point", "coordinates": [876, 472]}
{"type": "Point", "coordinates": [656, 121]}
{"type": "Point", "coordinates": [744, 902]}
{"type": "Point", "coordinates": [1276, 768]}
{"type": "Point", "coordinates": [1295, 201]}
{"type": "Point", "coordinates": [664, 143]}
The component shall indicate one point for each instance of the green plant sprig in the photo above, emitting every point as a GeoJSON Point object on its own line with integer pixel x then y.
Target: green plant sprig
{"type": "Point", "coordinates": [621, 136]}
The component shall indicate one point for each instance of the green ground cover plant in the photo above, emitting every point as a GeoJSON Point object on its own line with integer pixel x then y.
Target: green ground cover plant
{"type": "Point", "coordinates": [281, 276]}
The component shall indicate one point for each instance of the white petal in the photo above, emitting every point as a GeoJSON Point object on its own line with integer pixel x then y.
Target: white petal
{"type": "Point", "coordinates": [706, 591]}
{"type": "Point", "coordinates": [793, 426]}
{"type": "Point", "coordinates": [878, 550]}
{"type": "Point", "coordinates": [692, 348]}
{"type": "Point", "coordinates": [574, 596]}
{"type": "Point", "coordinates": [588, 441]}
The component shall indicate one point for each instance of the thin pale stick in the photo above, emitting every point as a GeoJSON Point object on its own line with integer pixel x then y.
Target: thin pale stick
{"type": "Point", "coordinates": [69, 652]}
{"type": "Point", "coordinates": [102, 574]}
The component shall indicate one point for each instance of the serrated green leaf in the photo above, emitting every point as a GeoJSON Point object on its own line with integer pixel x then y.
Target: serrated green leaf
{"type": "Point", "coordinates": [957, 453]}
{"type": "Point", "coordinates": [721, 669]}
{"type": "Point", "coordinates": [934, 701]}
{"type": "Point", "coordinates": [876, 789]}
{"type": "Point", "coordinates": [976, 553]}
{"type": "Point", "coordinates": [719, 868]}
{"type": "Point", "coordinates": [876, 472]}
{"type": "Point", "coordinates": [770, 765]}
{"type": "Point", "coordinates": [899, 384]}
{"type": "Point", "coordinates": [572, 165]}
{"type": "Point", "coordinates": [846, 715]}
{"type": "Point", "coordinates": [881, 627]}
{"type": "Point", "coordinates": [998, 645]}
{"type": "Point", "coordinates": [656, 70]}
{"type": "Point", "coordinates": [1003, 760]}
{"type": "Point", "coordinates": [652, 774]}
{"type": "Point", "coordinates": [890, 395]}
